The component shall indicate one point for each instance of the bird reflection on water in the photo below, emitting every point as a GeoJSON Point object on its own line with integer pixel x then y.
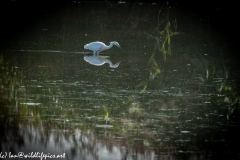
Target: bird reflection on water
{"type": "Point", "coordinates": [100, 60]}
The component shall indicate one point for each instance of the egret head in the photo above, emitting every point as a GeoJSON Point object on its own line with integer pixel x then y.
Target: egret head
{"type": "Point", "coordinates": [115, 43]}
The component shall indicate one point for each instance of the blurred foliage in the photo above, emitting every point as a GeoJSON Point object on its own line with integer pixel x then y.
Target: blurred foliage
{"type": "Point", "coordinates": [163, 38]}
{"type": "Point", "coordinates": [162, 45]}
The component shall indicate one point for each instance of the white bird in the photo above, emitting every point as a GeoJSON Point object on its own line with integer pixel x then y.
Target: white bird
{"type": "Point", "coordinates": [98, 61]}
{"type": "Point", "coordinates": [97, 46]}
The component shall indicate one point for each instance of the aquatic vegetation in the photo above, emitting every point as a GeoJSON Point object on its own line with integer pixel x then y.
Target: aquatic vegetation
{"type": "Point", "coordinates": [163, 38]}
{"type": "Point", "coordinates": [165, 29]}
{"type": "Point", "coordinates": [154, 71]}
{"type": "Point", "coordinates": [11, 80]}
{"type": "Point", "coordinates": [106, 117]}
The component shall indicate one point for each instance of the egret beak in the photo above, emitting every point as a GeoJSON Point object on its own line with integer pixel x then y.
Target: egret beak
{"type": "Point", "coordinates": [121, 49]}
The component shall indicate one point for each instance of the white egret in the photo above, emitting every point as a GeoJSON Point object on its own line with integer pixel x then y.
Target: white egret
{"type": "Point", "coordinates": [98, 61]}
{"type": "Point", "coordinates": [97, 46]}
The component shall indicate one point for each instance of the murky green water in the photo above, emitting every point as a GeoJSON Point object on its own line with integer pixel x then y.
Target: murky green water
{"type": "Point", "coordinates": [184, 107]}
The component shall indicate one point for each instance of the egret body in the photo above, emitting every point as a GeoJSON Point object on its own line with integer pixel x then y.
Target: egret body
{"type": "Point", "coordinates": [97, 47]}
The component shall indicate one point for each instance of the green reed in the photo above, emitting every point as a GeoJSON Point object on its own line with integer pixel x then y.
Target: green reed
{"type": "Point", "coordinates": [162, 35]}
{"type": "Point", "coordinates": [163, 38]}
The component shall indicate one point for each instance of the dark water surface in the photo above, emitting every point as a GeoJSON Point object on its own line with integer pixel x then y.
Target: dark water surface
{"type": "Point", "coordinates": [183, 107]}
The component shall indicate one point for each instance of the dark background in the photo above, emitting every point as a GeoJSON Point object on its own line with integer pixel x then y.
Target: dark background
{"type": "Point", "coordinates": [18, 15]}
